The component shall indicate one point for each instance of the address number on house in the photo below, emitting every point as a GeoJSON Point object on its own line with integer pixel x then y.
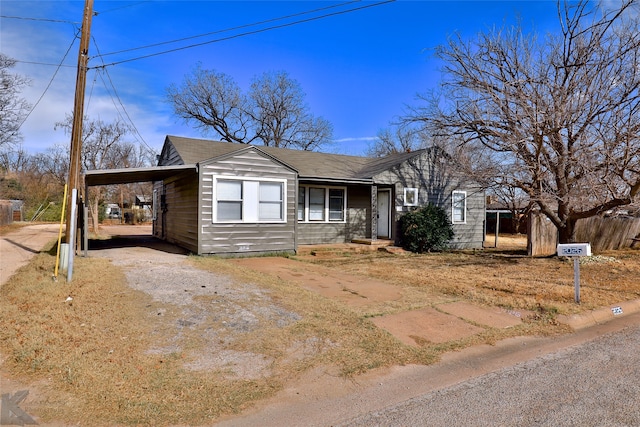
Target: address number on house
{"type": "Point", "coordinates": [574, 249]}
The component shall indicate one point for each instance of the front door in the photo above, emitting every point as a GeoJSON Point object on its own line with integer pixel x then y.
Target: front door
{"type": "Point", "coordinates": [384, 214]}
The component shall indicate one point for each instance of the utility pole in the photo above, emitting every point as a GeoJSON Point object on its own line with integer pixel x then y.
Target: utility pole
{"type": "Point", "coordinates": [78, 110]}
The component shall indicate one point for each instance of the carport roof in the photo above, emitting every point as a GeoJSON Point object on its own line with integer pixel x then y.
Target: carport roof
{"type": "Point", "coordinates": [129, 175]}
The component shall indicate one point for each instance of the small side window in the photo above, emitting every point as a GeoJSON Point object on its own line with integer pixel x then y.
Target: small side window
{"type": "Point", "coordinates": [459, 208]}
{"type": "Point", "coordinates": [411, 197]}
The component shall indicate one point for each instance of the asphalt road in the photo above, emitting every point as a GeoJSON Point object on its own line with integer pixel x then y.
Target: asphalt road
{"type": "Point", "coordinates": [596, 383]}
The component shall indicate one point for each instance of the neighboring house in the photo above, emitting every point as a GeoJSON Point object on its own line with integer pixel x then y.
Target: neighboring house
{"type": "Point", "coordinates": [112, 210]}
{"type": "Point", "coordinates": [513, 217]}
{"type": "Point", "coordinates": [229, 198]}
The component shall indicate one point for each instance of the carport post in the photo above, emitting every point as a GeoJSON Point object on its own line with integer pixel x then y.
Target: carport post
{"type": "Point", "coordinates": [497, 229]}
{"type": "Point", "coordinates": [85, 228]}
{"type": "Point", "coordinates": [85, 224]}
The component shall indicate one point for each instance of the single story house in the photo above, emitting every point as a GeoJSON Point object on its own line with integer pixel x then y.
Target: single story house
{"type": "Point", "coordinates": [227, 198]}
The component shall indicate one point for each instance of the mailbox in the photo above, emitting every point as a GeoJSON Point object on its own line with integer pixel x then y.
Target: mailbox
{"type": "Point", "coordinates": [574, 249]}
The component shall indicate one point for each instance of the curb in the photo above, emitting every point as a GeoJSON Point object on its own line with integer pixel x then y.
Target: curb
{"type": "Point", "coordinates": [600, 315]}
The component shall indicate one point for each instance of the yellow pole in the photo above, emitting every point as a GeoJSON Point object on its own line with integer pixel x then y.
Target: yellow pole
{"type": "Point", "coordinates": [64, 202]}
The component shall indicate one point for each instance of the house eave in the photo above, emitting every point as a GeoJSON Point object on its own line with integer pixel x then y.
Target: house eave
{"type": "Point", "coordinates": [325, 180]}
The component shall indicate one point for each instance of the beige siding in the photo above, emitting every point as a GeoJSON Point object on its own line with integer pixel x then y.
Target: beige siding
{"type": "Point", "coordinates": [237, 238]}
{"type": "Point", "coordinates": [181, 217]}
{"type": "Point", "coordinates": [357, 226]}
{"type": "Point", "coordinates": [435, 186]}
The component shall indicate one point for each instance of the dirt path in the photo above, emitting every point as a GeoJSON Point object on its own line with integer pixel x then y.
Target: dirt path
{"type": "Point", "coordinates": [18, 247]}
{"type": "Point", "coordinates": [447, 321]}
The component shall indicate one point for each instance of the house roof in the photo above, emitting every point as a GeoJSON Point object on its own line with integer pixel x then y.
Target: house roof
{"type": "Point", "coordinates": [310, 165]}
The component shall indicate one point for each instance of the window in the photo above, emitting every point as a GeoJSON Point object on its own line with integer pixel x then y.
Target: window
{"type": "Point", "coordinates": [459, 211]}
{"type": "Point", "coordinates": [301, 202]}
{"type": "Point", "coordinates": [270, 201]}
{"type": "Point", "coordinates": [321, 204]}
{"type": "Point", "coordinates": [316, 204]}
{"type": "Point", "coordinates": [411, 197]}
{"type": "Point", "coordinates": [249, 201]}
{"type": "Point", "coordinates": [155, 204]}
{"type": "Point", "coordinates": [336, 204]}
{"type": "Point", "coordinates": [229, 200]}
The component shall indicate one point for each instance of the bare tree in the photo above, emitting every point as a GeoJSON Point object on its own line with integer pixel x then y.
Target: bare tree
{"type": "Point", "coordinates": [104, 146]}
{"type": "Point", "coordinates": [28, 178]}
{"type": "Point", "coordinates": [558, 117]}
{"type": "Point", "coordinates": [213, 102]}
{"type": "Point", "coordinates": [281, 117]}
{"type": "Point", "coordinates": [13, 109]}
{"type": "Point", "coordinates": [272, 112]}
{"type": "Point", "coordinates": [398, 139]}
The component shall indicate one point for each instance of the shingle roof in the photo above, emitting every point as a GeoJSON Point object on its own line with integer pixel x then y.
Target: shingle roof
{"type": "Point", "coordinates": [308, 164]}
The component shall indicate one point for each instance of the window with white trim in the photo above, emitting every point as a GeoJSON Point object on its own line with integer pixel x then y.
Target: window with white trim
{"type": "Point", "coordinates": [246, 200]}
{"type": "Point", "coordinates": [316, 204]}
{"type": "Point", "coordinates": [336, 204]}
{"type": "Point", "coordinates": [321, 204]}
{"type": "Point", "coordinates": [459, 207]}
{"type": "Point", "coordinates": [301, 202]}
{"type": "Point", "coordinates": [156, 203]}
{"type": "Point", "coordinates": [411, 196]}
{"type": "Point", "coordinates": [271, 200]}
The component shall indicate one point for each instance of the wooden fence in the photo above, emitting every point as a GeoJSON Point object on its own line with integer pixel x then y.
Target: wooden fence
{"type": "Point", "coordinates": [603, 234]}
{"type": "Point", "coordinates": [6, 212]}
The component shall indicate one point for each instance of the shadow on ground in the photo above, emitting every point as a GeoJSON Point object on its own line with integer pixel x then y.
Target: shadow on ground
{"type": "Point", "coordinates": [135, 240]}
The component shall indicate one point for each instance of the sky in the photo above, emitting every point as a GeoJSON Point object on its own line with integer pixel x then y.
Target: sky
{"type": "Point", "coordinates": [360, 64]}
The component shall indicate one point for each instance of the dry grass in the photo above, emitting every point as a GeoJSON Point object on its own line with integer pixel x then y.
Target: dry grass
{"type": "Point", "coordinates": [504, 277]}
{"type": "Point", "coordinates": [92, 351]}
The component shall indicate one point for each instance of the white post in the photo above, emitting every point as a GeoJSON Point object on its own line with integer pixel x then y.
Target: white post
{"type": "Point", "coordinates": [72, 233]}
{"type": "Point", "coordinates": [576, 277]}
{"type": "Point", "coordinates": [497, 228]}
{"type": "Point", "coordinates": [575, 251]}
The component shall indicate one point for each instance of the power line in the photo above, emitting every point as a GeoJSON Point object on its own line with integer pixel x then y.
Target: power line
{"type": "Point", "coordinates": [50, 82]}
{"type": "Point", "coordinates": [137, 133]}
{"type": "Point", "coordinates": [44, 63]}
{"type": "Point", "coordinates": [247, 33]}
{"type": "Point", "coordinates": [230, 29]}
{"type": "Point", "coordinates": [59, 21]}
{"type": "Point", "coordinates": [118, 8]}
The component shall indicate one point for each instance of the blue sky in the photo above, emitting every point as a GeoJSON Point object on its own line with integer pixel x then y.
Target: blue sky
{"type": "Point", "coordinates": [358, 69]}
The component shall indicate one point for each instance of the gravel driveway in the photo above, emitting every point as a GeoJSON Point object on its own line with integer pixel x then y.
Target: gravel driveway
{"type": "Point", "coordinates": [211, 306]}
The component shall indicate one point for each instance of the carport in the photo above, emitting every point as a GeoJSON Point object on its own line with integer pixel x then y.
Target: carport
{"type": "Point", "coordinates": [126, 176]}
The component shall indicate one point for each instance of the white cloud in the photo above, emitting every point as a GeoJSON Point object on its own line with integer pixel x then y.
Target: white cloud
{"type": "Point", "coordinates": [356, 139]}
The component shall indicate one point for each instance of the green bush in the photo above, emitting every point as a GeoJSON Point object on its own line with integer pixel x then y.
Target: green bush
{"type": "Point", "coordinates": [425, 229]}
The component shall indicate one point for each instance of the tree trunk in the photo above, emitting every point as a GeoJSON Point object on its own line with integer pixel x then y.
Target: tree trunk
{"type": "Point", "coordinates": [567, 232]}
{"type": "Point", "coordinates": [93, 208]}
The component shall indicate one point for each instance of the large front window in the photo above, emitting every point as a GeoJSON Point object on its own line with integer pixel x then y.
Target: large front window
{"type": "Point", "coordinates": [321, 204]}
{"type": "Point", "coordinates": [245, 200]}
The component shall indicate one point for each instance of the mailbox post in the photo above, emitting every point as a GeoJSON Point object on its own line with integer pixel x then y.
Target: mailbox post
{"type": "Point", "coordinates": [575, 251]}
